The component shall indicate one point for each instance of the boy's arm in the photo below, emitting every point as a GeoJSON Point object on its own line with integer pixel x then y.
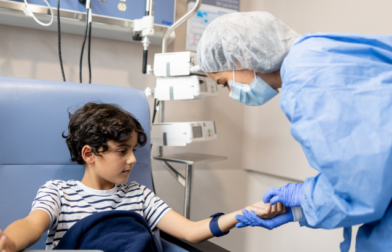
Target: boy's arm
{"type": "Point", "coordinates": [25, 232]}
{"type": "Point", "coordinates": [195, 232]}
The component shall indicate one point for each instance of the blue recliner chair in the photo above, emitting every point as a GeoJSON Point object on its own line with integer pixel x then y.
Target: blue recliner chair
{"type": "Point", "coordinates": [33, 115]}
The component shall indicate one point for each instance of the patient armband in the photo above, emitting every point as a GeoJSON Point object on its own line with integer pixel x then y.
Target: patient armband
{"type": "Point", "coordinates": [214, 227]}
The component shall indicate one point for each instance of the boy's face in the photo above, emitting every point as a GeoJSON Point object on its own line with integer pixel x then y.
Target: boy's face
{"type": "Point", "coordinates": [116, 163]}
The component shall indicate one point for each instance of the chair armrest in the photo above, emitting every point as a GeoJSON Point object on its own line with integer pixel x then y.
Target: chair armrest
{"type": "Point", "coordinates": [64, 250]}
{"type": "Point", "coordinates": [205, 246]}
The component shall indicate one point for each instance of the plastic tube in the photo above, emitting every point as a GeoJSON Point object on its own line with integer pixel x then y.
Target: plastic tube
{"type": "Point", "coordinates": [28, 12]}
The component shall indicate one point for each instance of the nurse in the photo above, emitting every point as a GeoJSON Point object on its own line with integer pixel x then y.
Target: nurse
{"type": "Point", "coordinates": [336, 91]}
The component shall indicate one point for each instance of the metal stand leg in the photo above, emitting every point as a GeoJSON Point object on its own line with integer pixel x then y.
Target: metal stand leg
{"type": "Point", "coordinates": [188, 190]}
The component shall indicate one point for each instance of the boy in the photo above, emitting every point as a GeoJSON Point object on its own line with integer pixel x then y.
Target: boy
{"type": "Point", "coordinates": [104, 137]}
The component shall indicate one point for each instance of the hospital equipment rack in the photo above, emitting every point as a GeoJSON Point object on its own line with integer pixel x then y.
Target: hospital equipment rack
{"type": "Point", "coordinates": [190, 160]}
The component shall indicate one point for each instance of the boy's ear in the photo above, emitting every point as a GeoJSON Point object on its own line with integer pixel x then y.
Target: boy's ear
{"type": "Point", "coordinates": [88, 155]}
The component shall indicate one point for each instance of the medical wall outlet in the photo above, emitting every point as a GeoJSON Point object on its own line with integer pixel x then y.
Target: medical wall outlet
{"type": "Point", "coordinates": [182, 133]}
{"type": "Point", "coordinates": [185, 88]}
{"type": "Point", "coordinates": [174, 64]}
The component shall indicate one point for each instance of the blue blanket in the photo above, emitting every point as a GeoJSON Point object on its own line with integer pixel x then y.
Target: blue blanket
{"type": "Point", "coordinates": [117, 231]}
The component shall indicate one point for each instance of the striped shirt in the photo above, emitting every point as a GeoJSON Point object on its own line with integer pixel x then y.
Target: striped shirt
{"type": "Point", "coordinates": [67, 202]}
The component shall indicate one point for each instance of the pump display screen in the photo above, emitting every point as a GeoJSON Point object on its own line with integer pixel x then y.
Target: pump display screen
{"type": "Point", "coordinates": [203, 86]}
{"type": "Point", "coordinates": [197, 132]}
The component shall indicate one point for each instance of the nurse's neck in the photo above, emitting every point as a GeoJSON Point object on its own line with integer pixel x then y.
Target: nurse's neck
{"type": "Point", "coordinates": [273, 79]}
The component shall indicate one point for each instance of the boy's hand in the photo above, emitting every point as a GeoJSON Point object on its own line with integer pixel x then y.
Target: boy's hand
{"type": "Point", "coordinates": [251, 219]}
{"type": "Point", "coordinates": [6, 244]}
{"type": "Point", "coordinates": [265, 210]}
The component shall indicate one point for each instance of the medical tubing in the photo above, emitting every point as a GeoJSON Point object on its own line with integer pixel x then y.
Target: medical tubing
{"type": "Point", "coordinates": [153, 115]}
{"type": "Point", "coordinates": [155, 110]}
{"type": "Point", "coordinates": [174, 26]}
{"type": "Point", "coordinates": [36, 20]}
{"type": "Point", "coordinates": [89, 55]}
{"type": "Point", "coordinates": [144, 67]}
{"type": "Point", "coordinates": [84, 42]}
{"type": "Point", "coordinates": [59, 38]}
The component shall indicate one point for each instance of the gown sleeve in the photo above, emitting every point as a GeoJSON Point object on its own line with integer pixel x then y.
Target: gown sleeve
{"type": "Point", "coordinates": [337, 94]}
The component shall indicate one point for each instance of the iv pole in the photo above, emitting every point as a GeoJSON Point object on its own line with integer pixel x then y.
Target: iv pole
{"type": "Point", "coordinates": [187, 180]}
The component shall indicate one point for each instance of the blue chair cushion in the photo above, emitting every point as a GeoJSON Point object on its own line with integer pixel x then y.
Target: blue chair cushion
{"type": "Point", "coordinates": [33, 115]}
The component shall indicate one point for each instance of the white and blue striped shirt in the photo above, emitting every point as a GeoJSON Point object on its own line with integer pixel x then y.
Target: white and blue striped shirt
{"type": "Point", "coordinates": [67, 202]}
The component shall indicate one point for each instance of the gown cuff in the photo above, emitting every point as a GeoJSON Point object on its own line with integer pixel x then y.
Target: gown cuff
{"type": "Point", "coordinates": [297, 213]}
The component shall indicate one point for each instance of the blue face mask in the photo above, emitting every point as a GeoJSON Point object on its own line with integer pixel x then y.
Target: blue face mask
{"type": "Point", "coordinates": [255, 94]}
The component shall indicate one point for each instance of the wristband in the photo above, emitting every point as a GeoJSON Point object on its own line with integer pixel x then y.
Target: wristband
{"type": "Point", "coordinates": [214, 227]}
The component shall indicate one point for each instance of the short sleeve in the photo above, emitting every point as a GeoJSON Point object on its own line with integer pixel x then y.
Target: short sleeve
{"type": "Point", "coordinates": [48, 199]}
{"type": "Point", "coordinates": [153, 207]}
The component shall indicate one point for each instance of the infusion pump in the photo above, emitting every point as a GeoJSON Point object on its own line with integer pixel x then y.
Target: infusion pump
{"type": "Point", "coordinates": [185, 88]}
{"type": "Point", "coordinates": [182, 133]}
{"type": "Point", "coordinates": [174, 64]}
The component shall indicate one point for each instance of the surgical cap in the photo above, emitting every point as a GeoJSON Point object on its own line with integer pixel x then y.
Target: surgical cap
{"type": "Point", "coordinates": [245, 40]}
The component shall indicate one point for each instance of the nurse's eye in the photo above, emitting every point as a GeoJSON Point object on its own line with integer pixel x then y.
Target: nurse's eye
{"type": "Point", "coordinates": [219, 82]}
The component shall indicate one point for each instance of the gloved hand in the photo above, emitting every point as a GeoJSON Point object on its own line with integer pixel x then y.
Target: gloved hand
{"type": "Point", "coordinates": [251, 219]}
{"type": "Point", "coordinates": [289, 195]}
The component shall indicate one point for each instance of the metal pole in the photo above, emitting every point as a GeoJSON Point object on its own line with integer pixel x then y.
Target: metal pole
{"type": "Point", "coordinates": [178, 23]}
{"type": "Point", "coordinates": [188, 190]}
{"type": "Point", "coordinates": [161, 119]}
{"type": "Point", "coordinates": [151, 10]}
{"type": "Point", "coordinates": [149, 7]}
{"type": "Point", "coordinates": [178, 176]}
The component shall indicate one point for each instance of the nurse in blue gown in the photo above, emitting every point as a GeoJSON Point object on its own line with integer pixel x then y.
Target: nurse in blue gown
{"type": "Point", "coordinates": [336, 91]}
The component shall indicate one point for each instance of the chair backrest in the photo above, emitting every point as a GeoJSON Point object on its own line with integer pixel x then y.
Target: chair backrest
{"type": "Point", "coordinates": [33, 115]}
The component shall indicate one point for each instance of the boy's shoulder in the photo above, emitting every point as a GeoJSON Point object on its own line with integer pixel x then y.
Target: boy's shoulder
{"type": "Point", "coordinates": [131, 186]}
{"type": "Point", "coordinates": [134, 187]}
{"type": "Point", "coordinates": [59, 184]}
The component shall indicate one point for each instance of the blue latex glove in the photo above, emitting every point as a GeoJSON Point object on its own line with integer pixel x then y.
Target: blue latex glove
{"type": "Point", "coordinates": [289, 195]}
{"type": "Point", "coordinates": [251, 219]}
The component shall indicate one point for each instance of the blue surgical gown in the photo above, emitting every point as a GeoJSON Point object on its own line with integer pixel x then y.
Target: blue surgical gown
{"type": "Point", "coordinates": [337, 94]}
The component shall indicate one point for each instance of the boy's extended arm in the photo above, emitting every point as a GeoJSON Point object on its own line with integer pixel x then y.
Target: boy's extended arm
{"type": "Point", "coordinates": [195, 232]}
{"type": "Point", "coordinates": [25, 232]}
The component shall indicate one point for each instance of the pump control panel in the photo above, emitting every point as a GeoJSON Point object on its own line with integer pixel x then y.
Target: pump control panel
{"type": "Point", "coordinates": [182, 133]}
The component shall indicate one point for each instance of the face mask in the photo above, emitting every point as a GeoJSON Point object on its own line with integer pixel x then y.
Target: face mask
{"type": "Point", "coordinates": [255, 94]}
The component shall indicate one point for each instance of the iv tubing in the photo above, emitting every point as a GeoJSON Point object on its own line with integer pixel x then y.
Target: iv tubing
{"type": "Point", "coordinates": [59, 39]}
{"type": "Point", "coordinates": [36, 20]}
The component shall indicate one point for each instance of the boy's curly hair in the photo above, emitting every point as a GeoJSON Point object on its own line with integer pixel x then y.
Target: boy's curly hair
{"type": "Point", "coordinates": [95, 124]}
